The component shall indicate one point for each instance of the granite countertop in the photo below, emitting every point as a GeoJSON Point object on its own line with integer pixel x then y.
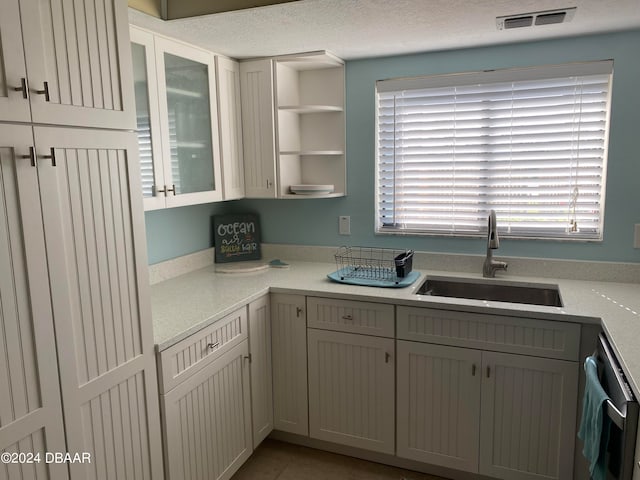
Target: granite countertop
{"type": "Point", "coordinates": [183, 305]}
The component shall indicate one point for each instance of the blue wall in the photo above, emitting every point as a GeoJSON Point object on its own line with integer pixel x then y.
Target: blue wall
{"type": "Point", "coordinates": [178, 231]}
{"type": "Point", "coordinates": [315, 222]}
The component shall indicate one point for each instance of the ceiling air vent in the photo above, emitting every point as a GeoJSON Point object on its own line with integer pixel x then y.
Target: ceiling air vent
{"type": "Point", "coordinates": [547, 17]}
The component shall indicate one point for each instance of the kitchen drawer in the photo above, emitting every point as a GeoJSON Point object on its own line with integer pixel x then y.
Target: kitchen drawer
{"type": "Point", "coordinates": [542, 338]}
{"type": "Point", "coordinates": [183, 359]}
{"type": "Point", "coordinates": [350, 316]}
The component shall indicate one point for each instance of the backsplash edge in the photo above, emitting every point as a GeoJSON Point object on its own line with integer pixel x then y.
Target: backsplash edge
{"type": "Point", "coordinates": [624, 272]}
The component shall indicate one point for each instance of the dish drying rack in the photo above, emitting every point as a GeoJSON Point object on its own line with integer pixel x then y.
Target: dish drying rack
{"type": "Point", "coordinates": [374, 266]}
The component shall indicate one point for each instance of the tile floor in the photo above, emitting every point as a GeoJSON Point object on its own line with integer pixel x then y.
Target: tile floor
{"type": "Point", "coordinates": [283, 461]}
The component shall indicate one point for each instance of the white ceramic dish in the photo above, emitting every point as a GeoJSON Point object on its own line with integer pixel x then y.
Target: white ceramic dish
{"type": "Point", "coordinates": [311, 189]}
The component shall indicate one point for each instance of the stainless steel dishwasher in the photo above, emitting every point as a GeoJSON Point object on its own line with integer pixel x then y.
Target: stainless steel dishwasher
{"type": "Point", "coordinates": [622, 409]}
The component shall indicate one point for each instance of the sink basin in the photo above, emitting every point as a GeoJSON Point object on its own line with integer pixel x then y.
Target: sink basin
{"type": "Point", "coordinates": [514, 292]}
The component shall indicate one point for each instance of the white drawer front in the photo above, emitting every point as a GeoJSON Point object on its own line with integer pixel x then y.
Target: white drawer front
{"type": "Point", "coordinates": [350, 316]}
{"type": "Point", "coordinates": [543, 338]}
{"type": "Point", "coordinates": [194, 352]}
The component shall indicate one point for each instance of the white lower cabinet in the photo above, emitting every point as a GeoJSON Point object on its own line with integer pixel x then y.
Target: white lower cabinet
{"type": "Point", "coordinates": [351, 399]}
{"type": "Point", "coordinates": [289, 357]}
{"type": "Point", "coordinates": [438, 400]}
{"type": "Point", "coordinates": [528, 416]}
{"type": "Point", "coordinates": [208, 420]}
{"type": "Point", "coordinates": [261, 378]}
{"type": "Point", "coordinates": [501, 415]}
{"type": "Point", "coordinates": [361, 374]}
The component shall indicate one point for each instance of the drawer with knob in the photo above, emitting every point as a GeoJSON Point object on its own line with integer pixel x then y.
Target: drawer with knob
{"type": "Point", "coordinates": [180, 361]}
{"type": "Point", "coordinates": [365, 318]}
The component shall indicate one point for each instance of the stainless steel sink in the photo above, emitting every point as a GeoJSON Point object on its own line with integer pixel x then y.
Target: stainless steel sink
{"type": "Point", "coordinates": [514, 292]}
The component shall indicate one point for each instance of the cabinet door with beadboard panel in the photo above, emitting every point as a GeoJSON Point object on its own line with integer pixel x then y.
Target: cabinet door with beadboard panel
{"type": "Point", "coordinates": [14, 95]}
{"type": "Point", "coordinates": [289, 361]}
{"type": "Point", "coordinates": [208, 420]}
{"type": "Point", "coordinates": [351, 395]}
{"type": "Point", "coordinates": [528, 417]}
{"type": "Point", "coordinates": [258, 124]}
{"type": "Point", "coordinates": [438, 404]}
{"type": "Point", "coordinates": [30, 408]}
{"type": "Point", "coordinates": [93, 225]}
{"type": "Point", "coordinates": [79, 62]}
{"type": "Point", "coordinates": [261, 377]}
{"type": "Point", "coordinates": [230, 124]}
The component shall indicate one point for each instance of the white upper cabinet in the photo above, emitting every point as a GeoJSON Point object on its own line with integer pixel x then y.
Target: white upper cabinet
{"type": "Point", "coordinates": [177, 122]}
{"type": "Point", "coordinates": [147, 117]}
{"type": "Point", "coordinates": [68, 62]}
{"type": "Point", "coordinates": [189, 130]}
{"type": "Point", "coordinates": [230, 123]}
{"type": "Point", "coordinates": [294, 126]}
{"type": "Point", "coordinates": [256, 87]}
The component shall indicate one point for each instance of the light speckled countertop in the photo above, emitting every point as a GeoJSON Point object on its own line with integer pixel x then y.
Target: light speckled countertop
{"type": "Point", "coordinates": [183, 305]}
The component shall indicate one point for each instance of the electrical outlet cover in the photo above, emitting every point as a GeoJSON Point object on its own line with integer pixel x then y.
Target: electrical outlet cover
{"type": "Point", "coordinates": [344, 225]}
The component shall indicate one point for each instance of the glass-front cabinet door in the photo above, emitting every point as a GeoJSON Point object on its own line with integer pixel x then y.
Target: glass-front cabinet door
{"type": "Point", "coordinates": [147, 118]}
{"type": "Point", "coordinates": [176, 113]}
{"type": "Point", "coordinates": [188, 112]}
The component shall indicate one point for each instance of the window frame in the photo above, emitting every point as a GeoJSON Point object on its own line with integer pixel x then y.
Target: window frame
{"type": "Point", "coordinates": [530, 73]}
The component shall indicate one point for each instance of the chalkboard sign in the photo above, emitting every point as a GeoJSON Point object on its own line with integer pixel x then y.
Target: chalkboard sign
{"type": "Point", "coordinates": [236, 237]}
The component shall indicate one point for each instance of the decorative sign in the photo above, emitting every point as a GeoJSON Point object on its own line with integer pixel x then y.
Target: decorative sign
{"type": "Point", "coordinates": [236, 237]}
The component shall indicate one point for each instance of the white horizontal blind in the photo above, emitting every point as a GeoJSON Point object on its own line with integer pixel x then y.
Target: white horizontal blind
{"type": "Point", "coordinates": [146, 155]}
{"type": "Point", "coordinates": [528, 143]}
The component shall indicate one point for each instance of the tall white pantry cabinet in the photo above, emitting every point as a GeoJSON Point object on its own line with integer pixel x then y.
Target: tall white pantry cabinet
{"type": "Point", "coordinates": [77, 367]}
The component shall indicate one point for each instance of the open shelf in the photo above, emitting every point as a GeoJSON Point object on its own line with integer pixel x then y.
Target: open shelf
{"type": "Point", "coordinates": [310, 108]}
{"type": "Point", "coordinates": [310, 61]}
{"type": "Point", "coordinates": [312, 152]}
{"type": "Point", "coordinates": [297, 196]}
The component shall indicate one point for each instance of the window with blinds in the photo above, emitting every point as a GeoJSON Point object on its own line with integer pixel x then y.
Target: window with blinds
{"type": "Point", "coordinates": [529, 143]}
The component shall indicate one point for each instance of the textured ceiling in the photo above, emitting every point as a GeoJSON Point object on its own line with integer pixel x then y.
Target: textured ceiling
{"type": "Point", "coordinates": [369, 28]}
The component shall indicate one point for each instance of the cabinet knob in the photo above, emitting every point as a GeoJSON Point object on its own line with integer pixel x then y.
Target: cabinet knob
{"type": "Point", "coordinates": [166, 190]}
{"type": "Point", "coordinates": [22, 88]}
{"type": "Point", "coordinates": [488, 372]}
{"type": "Point", "coordinates": [211, 346]}
{"type": "Point", "coordinates": [298, 311]}
{"type": "Point", "coordinates": [248, 357]}
{"type": "Point", "coordinates": [348, 317]}
{"type": "Point", "coordinates": [44, 91]}
{"type": "Point", "coordinates": [52, 156]}
{"type": "Point", "coordinates": [31, 156]}
{"type": "Point", "coordinates": [473, 370]}
{"type": "Point", "coordinates": [387, 357]}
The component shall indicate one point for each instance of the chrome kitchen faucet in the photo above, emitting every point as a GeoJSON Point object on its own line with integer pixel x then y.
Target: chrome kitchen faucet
{"type": "Point", "coordinates": [493, 242]}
